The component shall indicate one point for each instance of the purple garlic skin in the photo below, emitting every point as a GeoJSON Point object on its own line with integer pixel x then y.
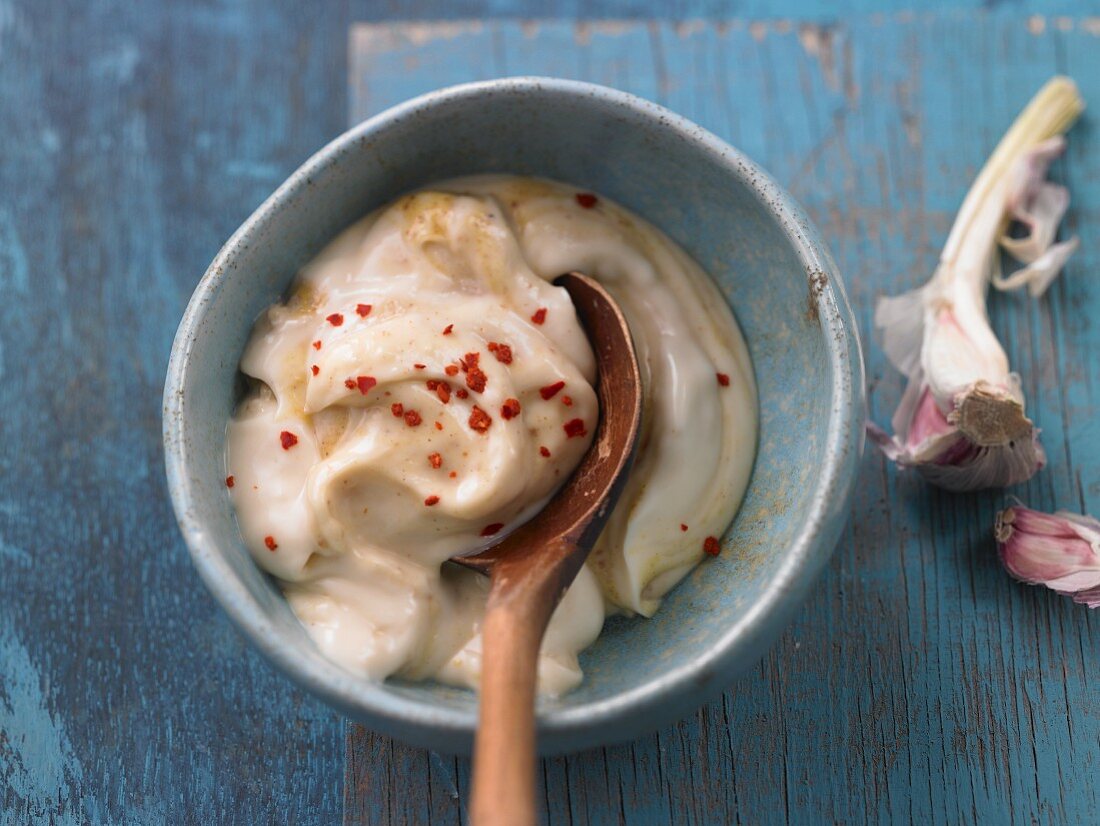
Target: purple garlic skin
{"type": "Point", "coordinates": [961, 423]}
{"type": "Point", "coordinates": [1059, 550]}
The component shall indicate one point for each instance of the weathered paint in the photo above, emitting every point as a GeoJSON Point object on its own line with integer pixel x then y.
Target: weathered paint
{"type": "Point", "coordinates": [919, 684]}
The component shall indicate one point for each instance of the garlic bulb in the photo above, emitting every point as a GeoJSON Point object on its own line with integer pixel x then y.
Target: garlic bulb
{"type": "Point", "coordinates": [961, 422]}
{"type": "Point", "coordinates": [1060, 551]}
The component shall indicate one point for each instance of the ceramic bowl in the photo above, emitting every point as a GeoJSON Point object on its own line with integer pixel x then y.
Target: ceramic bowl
{"type": "Point", "coordinates": [755, 241]}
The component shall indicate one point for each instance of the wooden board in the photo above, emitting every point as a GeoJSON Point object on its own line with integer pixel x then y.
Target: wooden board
{"type": "Point", "coordinates": [918, 683]}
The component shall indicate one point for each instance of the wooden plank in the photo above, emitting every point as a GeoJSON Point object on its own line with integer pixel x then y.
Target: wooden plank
{"type": "Point", "coordinates": [136, 138]}
{"type": "Point", "coordinates": [919, 683]}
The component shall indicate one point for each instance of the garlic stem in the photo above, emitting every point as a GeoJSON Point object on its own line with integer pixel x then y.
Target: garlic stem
{"type": "Point", "coordinates": [1051, 112]}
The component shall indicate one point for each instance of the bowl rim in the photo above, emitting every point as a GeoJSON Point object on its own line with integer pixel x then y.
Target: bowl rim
{"type": "Point", "coordinates": [674, 692]}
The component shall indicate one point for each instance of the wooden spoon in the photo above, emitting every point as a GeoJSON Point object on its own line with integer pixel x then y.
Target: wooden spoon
{"type": "Point", "coordinates": [531, 568]}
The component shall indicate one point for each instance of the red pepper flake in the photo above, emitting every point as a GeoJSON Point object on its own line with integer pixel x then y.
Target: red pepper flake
{"type": "Point", "coordinates": [363, 310]}
{"type": "Point", "coordinates": [574, 427]}
{"type": "Point", "coordinates": [479, 420]}
{"type": "Point", "coordinates": [540, 315]}
{"type": "Point", "coordinates": [412, 418]}
{"type": "Point", "coordinates": [397, 409]}
{"type": "Point", "coordinates": [447, 330]}
{"type": "Point", "coordinates": [475, 377]}
{"type": "Point", "coordinates": [336, 319]}
{"type": "Point", "coordinates": [420, 366]}
{"type": "Point", "coordinates": [491, 530]}
{"type": "Point", "coordinates": [551, 390]}
{"type": "Point", "coordinates": [271, 543]}
{"type": "Point", "coordinates": [287, 439]}
{"type": "Point", "coordinates": [723, 379]}
{"type": "Point", "coordinates": [317, 345]}
{"type": "Point", "coordinates": [586, 199]}
{"type": "Point", "coordinates": [315, 369]}
{"type": "Point", "coordinates": [711, 546]}
{"type": "Point", "coordinates": [567, 401]}
{"type": "Point", "coordinates": [444, 392]}
{"type": "Point", "coordinates": [502, 351]}
{"type": "Point", "coordinates": [435, 460]}
{"type": "Point", "coordinates": [229, 481]}
{"type": "Point", "coordinates": [683, 527]}
{"type": "Point", "coordinates": [451, 369]}
{"type": "Point", "coordinates": [453, 474]}
{"type": "Point", "coordinates": [510, 409]}
{"type": "Point", "coordinates": [438, 425]}
{"type": "Point", "coordinates": [475, 380]}
{"type": "Point", "coordinates": [462, 393]}
{"type": "Point", "coordinates": [350, 384]}
{"type": "Point", "coordinates": [544, 451]}
{"type": "Point", "coordinates": [365, 383]}
{"type": "Point", "coordinates": [431, 500]}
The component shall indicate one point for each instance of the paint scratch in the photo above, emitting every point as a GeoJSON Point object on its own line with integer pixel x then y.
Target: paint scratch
{"type": "Point", "coordinates": [37, 764]}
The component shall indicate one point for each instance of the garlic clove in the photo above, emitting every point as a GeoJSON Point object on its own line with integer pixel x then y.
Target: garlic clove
{"type": "Point", "coordinates": [1059, 550]}
{"type": "Point", "coordinates": [961, 422]}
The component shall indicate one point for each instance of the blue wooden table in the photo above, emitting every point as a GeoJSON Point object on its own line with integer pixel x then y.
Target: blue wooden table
{"type": "Point", "coordinates": [919, 683]}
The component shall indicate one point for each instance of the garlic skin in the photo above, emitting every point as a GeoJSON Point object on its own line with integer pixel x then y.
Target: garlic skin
{"type": "Point", "coordinates": [961, 422]}
{"type": "Point", "coordinates": [1059, 550]}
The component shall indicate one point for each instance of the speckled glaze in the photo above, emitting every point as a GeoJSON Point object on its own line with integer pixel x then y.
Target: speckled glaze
{"type": "Point", "coordinates": [747, 233]}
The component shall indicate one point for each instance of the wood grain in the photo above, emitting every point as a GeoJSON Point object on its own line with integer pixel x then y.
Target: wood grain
{"type": "Point", "coordinates": [920, 683]}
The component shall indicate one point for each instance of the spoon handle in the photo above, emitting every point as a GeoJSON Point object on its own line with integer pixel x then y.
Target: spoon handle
{"type": "Point", "coordinates": [516, 616]}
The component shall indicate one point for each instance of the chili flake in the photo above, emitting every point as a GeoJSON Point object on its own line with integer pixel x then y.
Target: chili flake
{"type": "Point", "coordinates": [479, 420]}
{"type": "Point", "coordinates": [567, 401]}
{"type": "Point", "coordinates": [475, 377]}
{"type": "Point", "coordinates": [453, 474]}
{"type": "Point", "coordinates": [441, 389]}
{"type": "Point", "coordinates": [544, 451]}
{"type": "Point", "coordinates": [365, 383]}
{"type": "Point", "coordinates": [510, 409]}
{"type": "Point", "coordinates": [711, 546]}
{"type": "Point", "coordinates": [490, 530]}
{"type": "Point", "coordinates": [683, 527]}
{"type": "Point", "coordinates": [551, 390]}
{"type": "Point", "coordinates": [336, 319]}
{"type": "Point", "coordinates": [350, 384]}
{"type": "Point", "coordinates": [287, 439]}
{"type": "Point", "coordinates": [315, 369]}
{"type": "Point", "coordinates": [363, 309]}
{"type": "Point", "coordinates": [502, 351]}
{"type": "Point", "coordinates": [412, 418]}
{"type": "Point", "coordinates": [462, 393]}
{"type": "Point", "coordinates": [271, 543]}
{"type": "Point", "coordinates": [540, 315]}
{"type": "Point", "coordinates": [317, 345]}
{"type": "Point", "coordinates": [420, 366]}
{"type": "Point", "coordinates": [397, 409]}
{"type": "Point", "coordinates": [586, 199]}
{"type": "Point", "coordinates": [574, 427]}
{"type": "Point", "coordinates": [723, 379]}
{"type": "Point", "coordinates": [229, 481]}
{"type": "Point", "coordinates": [438, 425]}
{"type": "Point", "coordinates": [431, 500]}
{"type": "Point", "coordinates": [435, 460]}
{"type": "Point", "coordinates": [451, 369]}
{"type": "Point", "coordinates": [447, 330]}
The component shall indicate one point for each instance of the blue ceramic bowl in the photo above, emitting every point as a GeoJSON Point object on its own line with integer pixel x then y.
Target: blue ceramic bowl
{"type": "Point", "coordinates": [746, 232]}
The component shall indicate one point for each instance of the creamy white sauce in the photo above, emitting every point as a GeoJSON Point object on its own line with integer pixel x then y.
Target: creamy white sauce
{"type": "Point", "coordinates": [366, 506]}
